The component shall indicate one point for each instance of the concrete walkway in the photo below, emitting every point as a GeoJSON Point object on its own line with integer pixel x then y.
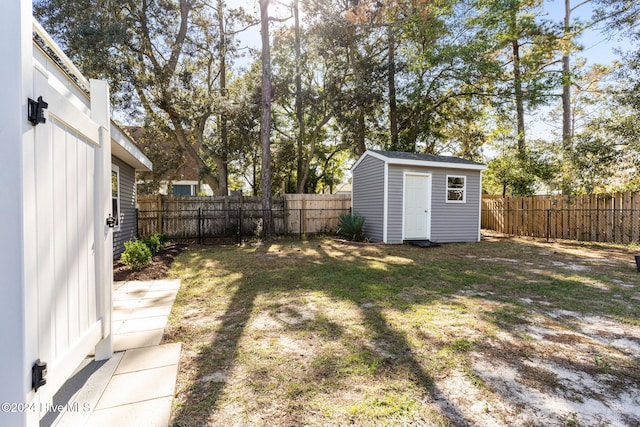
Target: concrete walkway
{"type": "Point", "coordinates": [136, 386]}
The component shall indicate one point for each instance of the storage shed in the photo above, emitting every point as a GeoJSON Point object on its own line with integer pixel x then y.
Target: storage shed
{"type": "Point", "coordinates": [408, 196]}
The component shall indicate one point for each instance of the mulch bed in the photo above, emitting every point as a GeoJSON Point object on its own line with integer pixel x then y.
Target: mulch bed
{"type": "Point", "coordinates": [158, 269]}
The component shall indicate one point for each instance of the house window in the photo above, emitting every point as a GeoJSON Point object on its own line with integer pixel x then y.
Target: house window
{"type": "Point", "coordinates": [115, 195]}
{"type": "Point", "coordinates": [456, 189]}
{"type": "Point", "coordinates": [181, 190]}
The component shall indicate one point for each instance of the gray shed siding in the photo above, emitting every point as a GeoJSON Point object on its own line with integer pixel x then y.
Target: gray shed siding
{"type": "Point", "coordinates": [450, 222]}
{"type": "Point", "coordinates": [128, 224]}
{"type": "Point", "coordinates": [395, 201]}
{"type": "Point", "coordinates": [368, 196]}
{"type": "Point", "coordinates": [455, 222]}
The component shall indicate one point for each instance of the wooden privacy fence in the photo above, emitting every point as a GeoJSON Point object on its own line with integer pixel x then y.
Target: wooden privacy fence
{"type": "Point", "coordinates": [613, 218]}
{"type": "Point", "coordinates": [205, 217]}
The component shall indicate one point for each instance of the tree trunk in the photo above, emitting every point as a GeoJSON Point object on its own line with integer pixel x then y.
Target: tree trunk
{"type": "Point", "coordinates": [221, 166]}
{"type": "Point", "coordinates": [361, 129]}
{"type": "Point", "coordinates": [223, 174]}
{"type": "Point", "coordinates": [567, 128]}
{"type": "Point", "coordinates": [393, 114]}
{"type": "Point", "coordinates": [300, 176]}
{"type": "Point", "coordinates": [265, 124]}
{"type": "Point", "coordinates": [566, 84]}
{"type": "Point", "coordinates": [519, 97]}
{"type": "Point", "coordinates": [254, 182]}
{"type": "Point", "coordinates": [193, 154]}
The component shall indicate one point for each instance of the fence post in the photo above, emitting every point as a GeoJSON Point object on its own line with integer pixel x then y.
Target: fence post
{"type": "Point", "coordinates": [303, 206]}
{"type": "Point", "coordinates": [239, 226]}
{"type": "Point", "coordinates": [200, 225]}
{"type": "Point", "coordinates": [300, 224]}
{"type": "Point", "coordinates": [508, 218]}
{"type": "Point", "coordinates": [227, 207]}
{"type": "Point", "coordinates": [159, 208]}
{"type": "Point", "coordinates": [285, 214]}
{"type": "Point", "coordinates": [548, 224]}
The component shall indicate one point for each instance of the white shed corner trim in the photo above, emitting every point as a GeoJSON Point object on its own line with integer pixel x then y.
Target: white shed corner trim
{"type": "Point", "coordinates": [386, 203]}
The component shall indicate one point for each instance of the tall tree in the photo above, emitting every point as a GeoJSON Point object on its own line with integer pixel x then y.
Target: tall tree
{"type": "Point", "coordinates": [623, 122]}
{"type": "Point", "coordinates": [222, 84]}
{"type": "Point", "coordinates": [445, 80]}
{"type": "Point", "coordinates": [527, 45]}
{"type": "Point", "coordinates": [305, 99]}
{"type": "Point", "coordinates": [569, 32]}
{"type": "Point", "coordinates": [620, 15]}
{"type": "Point", "coordinates": [162, 61]}
{"type": "Point", "coordinates": [265, 123]}
{"type": "Point", "coordinates": [391, 78]}
{"type": "Point", "coordinates": [566, 80]}
{"type": "Point", "coordinates": [388, 15]}
{"type": "Point", "coordinates": [245, 94]}
{"type": "Point", "coordinates": [312, 82]}
{"type": "Point", "coordinates": [300, 171]}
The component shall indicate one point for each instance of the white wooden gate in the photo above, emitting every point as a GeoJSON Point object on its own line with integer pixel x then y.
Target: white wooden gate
{"type": "Point", "coordinates": [63, 165]}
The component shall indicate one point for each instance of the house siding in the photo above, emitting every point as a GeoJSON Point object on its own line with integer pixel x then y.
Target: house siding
{"type": "Point", "coordinates": [368, 196]}
{"type": "Point", "coordinates": [128, 224]}
{"type": "Point", "coordinates": [450, 222]}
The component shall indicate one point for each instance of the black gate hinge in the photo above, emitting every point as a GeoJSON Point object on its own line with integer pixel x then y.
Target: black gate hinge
{"type": "Point", "coordinates": [35, 112]}
{"type": "Point", "coordinates": [38, 374]}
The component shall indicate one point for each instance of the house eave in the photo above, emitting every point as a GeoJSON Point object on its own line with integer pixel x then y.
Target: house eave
{"type": "Point", "coordinates": [123, 148]}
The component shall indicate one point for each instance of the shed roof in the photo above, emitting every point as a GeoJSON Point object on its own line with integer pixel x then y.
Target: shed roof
{"type": "Point", "coordinates": [417, 159]}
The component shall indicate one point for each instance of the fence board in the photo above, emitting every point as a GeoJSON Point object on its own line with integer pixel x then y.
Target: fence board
{"type": "Point", "coordinates": [635, 207]}
{"type": "Point", "coordinates": [597, 217]}
{"type": "Point", "coordinates": [198, 216]}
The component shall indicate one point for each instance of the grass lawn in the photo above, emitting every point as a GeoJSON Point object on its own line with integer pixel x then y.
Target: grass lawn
{"type": "Point", "coordinates": [322, 333]}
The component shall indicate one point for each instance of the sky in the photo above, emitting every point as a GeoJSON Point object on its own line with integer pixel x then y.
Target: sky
{"type": "Point", "coordinates": [597, 49]}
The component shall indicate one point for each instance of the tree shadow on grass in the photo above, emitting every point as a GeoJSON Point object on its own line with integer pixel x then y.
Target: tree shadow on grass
{"type": "Point", "coordinates": [216, 359]}
{"type": "Point", "coordinates": [361, 279]}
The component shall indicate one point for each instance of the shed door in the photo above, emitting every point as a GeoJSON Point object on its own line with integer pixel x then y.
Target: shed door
{"type": "Point", "coordinates": [417, 206]}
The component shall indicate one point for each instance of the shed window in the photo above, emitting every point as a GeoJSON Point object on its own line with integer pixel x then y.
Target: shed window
{"type": "Point", "coordinates": [456, 189]}
{"type": "Point", "coordinates": [115, 195]}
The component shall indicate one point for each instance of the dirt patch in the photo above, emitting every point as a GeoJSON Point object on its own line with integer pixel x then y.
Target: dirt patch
{"type": "Point", "coordinates": [158, 269]}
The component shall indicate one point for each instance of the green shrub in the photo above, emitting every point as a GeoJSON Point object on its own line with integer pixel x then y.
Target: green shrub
{"type": "Point", "coordinates": [350, 227]}
{"type": "Point", "coordinates": [163, 238]}
{"type": "Point", "coordinates": [153, 243]}
{"type": "Point", "coordinates": [136, 254]}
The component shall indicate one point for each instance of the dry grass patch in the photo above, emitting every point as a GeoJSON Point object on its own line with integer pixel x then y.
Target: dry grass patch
{"type": "Point", "coordinates": [503, 332]}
